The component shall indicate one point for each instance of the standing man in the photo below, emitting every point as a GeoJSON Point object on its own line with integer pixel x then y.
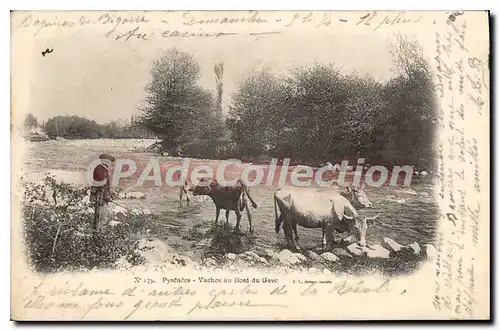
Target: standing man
{"type": "Point", "coordinates": [100, 190]}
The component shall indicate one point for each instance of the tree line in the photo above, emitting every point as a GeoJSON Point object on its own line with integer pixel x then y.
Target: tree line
{"type": "Point", "coordinates": [311, 114]}
{"type": "Point", "coordinates": [76, 127]}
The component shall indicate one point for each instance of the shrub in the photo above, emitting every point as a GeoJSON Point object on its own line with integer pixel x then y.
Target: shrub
{"type": "Point", "coordinates": [58, 233]}
{"type": "Point", "coordinates": [225, 240]}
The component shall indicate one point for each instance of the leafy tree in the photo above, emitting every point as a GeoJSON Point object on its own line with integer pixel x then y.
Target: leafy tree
{"type": "Point", "coordinates": [175, 106]}
{"type": "Point", "coordinates": [71, 127]}
{"type": "Point", "coordinates": [256, 114]}
{"type": "Point", "coordinates": [317, 113]}
{"type": "Point", "coordinates": [412, 104]}
{"type": "Point", "coordinates": [219, 74]}
{"type": "Point", "coordinates": [30, 121]}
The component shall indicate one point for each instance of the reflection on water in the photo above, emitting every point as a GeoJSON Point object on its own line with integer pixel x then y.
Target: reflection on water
{"type": "Point", "coordinates": [407, 214]}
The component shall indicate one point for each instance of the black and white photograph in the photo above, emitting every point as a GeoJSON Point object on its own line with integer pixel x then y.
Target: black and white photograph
{"type": "Point", "coordinates": [242, 164]}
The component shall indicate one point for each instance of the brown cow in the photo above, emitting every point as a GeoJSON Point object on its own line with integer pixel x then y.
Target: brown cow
{"type": "Point", "coordinates": [226, 197]}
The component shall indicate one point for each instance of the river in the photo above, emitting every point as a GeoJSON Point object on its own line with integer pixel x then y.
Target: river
{"type": "Point", "coordinates": [408, 214]}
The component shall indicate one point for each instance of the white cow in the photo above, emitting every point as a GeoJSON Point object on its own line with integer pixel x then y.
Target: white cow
{"type": "Point", "coordinates": [310, 208]}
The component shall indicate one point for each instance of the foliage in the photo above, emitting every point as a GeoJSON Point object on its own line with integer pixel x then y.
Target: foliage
{"type": "Point", "coordinates": [219, 74]}
{"type": "Point", "coordinates": [71, 127]}
{"type": "Point", "coordinates": [75, 127]}
{"type": "Point", "coordinates": [256, 116]}
{"type": "Point", "coordinates": [58, 233]}
{"type": "Point", "coordinates": [316, 114]}
{"type": "Point", "coordinates": [30, 121]}
{"type": "Point", "coordinates": [177, 110]}
{"type": "Point", "coordinates": [223, 239]}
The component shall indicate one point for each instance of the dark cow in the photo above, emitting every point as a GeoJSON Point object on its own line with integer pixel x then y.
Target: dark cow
{"type": "Point", "coordinates": [226, 197]}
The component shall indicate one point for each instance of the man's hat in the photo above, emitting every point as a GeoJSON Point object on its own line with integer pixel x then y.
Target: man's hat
{"type": "Point", "coordinates": [106, 157]}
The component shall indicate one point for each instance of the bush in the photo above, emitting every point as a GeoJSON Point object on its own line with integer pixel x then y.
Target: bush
{"type": "Point", "coordinates": [58, 233]}
{"type": "Point", "coordinates": [225, 240]}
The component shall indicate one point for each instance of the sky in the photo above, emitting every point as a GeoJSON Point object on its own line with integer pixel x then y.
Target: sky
{"type": "Point", "coordinates": [91, 76]}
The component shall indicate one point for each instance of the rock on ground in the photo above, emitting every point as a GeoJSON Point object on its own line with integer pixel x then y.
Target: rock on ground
{"type": "Point", "coordinates": [301, 257]}
{"type": "Point", "coordinates": [340, 252]}
{"type": "Point", "coordinates": [263, 260]}
{"type": "Point", "coordinates": [349, 240]}
{"type": "Point", "coordinates": [136, 195]}
{"type": "Point", "coordinates": [252, 255]}
{"type": "Point", "coordinates": [377, 251]}
{"type": "Point", "coordinates": [430, 251]}
{"type": "Point", "coordinates": [414, 248]}
{"type": "Point", "coordinates": [122, 195]}
{"type": "Point", "coordinates": [355, 249]}
{"type": "Point", "coordinates": [270, 253]}
{"type": "Point", "coordinates": [391, 245]}
{"type": "Point", "coordinates": [313, 256]}
{"type": "Point", "coordinates": [373, 251]}
{"type": "Point", "coordinates": [231, 256]}
{"type": "Point", "coordinates": [330, 257]}
{"type": "Point", "coordinates": [209, 262]}
{"type": "Point", "coordinates": [117, 210]}
{"type": "Point", "coordinates": [153, 250]}
{"type": "Point", "coordinates": [287, 257]}
{"type": "Point", "coordinates": [147, 211]}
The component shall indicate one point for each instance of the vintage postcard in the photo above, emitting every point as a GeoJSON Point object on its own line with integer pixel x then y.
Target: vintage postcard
{"type": "Point", "coordinates": [250, 165]}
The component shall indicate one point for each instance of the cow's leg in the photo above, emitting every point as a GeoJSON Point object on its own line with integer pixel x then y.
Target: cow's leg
{"type": "Point", "coordinates": [329, 238]}
{"type": "Point", "coordinates": [290, 227]}
{"type": "Point", "coordinates": [238, 219]}
{"type": "Point", "coordinates": [286, 231]}
{"type": "Point", "coordinates": [295, 230]}
{"type": "Point", "coordinates": [181, 195]}
{"type": "Point", "coordinates": [285, 227]}
{"type": "Point", "coordinates": [217, 212]}
{"type": "Point", "coordinates": [249, 218]}
{"type": "Point", "coordinates": [227, 216]}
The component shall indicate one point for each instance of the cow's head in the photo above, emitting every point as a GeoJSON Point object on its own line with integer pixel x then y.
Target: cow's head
{"type": "Point", "coordinates": [204, 187]}
{"type": "Point", "coordinates": [359, 224]}
{"type": "Point", "coordinates": [357, 196]}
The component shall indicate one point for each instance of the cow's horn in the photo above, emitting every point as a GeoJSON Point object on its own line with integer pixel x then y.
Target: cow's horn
{"type": "Point", "coordinates": [347, 217]}
{"type": "Point", "coordinates": [372, 218]}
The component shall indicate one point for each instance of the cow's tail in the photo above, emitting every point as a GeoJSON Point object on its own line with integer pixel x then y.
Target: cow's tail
{"type": "Point", "coordinates": [277, 219]}
{"type": "Point", "coordinates": [245, 190]}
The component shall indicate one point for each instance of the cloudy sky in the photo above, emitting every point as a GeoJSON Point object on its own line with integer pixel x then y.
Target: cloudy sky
{"type": "Point", "coordinates": [92, 76]}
